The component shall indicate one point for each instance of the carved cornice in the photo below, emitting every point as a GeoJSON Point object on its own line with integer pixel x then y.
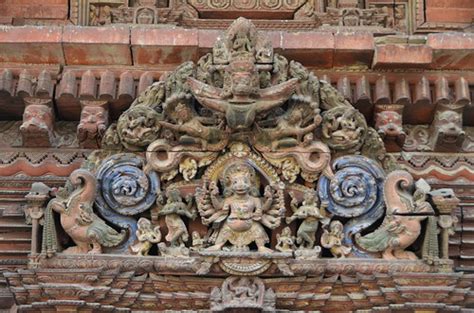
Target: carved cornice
{"type": "Point", "coordinates": [119, 282]}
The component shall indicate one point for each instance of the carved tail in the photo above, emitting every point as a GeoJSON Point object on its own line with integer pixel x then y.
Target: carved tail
{"type": "Point", "coordinates": [396, 192]}
{"type": "Point", "coordinates": [85, 193]}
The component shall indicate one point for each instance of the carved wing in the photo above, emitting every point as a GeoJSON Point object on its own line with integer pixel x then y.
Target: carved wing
{"type": "Point", "coordinates": [198, 88]}
{"type": "Point", "coordinates": [275, 95]}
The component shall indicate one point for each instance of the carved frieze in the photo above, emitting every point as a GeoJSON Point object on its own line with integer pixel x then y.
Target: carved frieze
{"type": "Point", "coordinates": [297, 14]}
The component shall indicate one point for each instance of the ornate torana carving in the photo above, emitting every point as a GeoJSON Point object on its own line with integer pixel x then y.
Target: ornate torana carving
{"type": "Point", "coordinates": [244, 163]}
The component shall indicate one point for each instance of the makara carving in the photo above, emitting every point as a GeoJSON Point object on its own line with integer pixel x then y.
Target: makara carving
{"type": "Point", "coordinates": [242, 162]}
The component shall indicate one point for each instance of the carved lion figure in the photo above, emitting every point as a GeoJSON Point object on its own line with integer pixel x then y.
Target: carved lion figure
{"type": "Point", "coordinates": [389, 126]}
{"type": "Point", "coordinates": [447, 130]}
{"type": "Point", "coordinates": [37, 127]}
{"type": "Point", "coordinates": [91, 129]}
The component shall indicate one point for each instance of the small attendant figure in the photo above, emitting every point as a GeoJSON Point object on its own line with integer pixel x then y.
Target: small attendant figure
{"type": "Point", "coordinates": [285, 241]}
{"type": "Point", "coordinates": [146, 237]}
{"type": "Point", "coordinates": [332, 240]}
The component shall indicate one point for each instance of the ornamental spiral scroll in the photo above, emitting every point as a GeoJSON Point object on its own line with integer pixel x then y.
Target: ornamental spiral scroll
{"type": "Point", "coordinates": [124, 189]}
{"type": "Point", "coordinates": [355, 192]}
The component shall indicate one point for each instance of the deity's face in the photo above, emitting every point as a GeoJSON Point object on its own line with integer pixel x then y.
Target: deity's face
{"type": "Point", "coordinates": [241, 84]}
{"type": "Point", "coordinates": [183, 112]}
{"type": "Point", "coordinates": [295, 117]}
{"type": "Point", "coordinates": [336, 228]}
{"type": "Point", "coordinates": [144, 224]}
{"type": "Point", "coordinates": [241, 183]}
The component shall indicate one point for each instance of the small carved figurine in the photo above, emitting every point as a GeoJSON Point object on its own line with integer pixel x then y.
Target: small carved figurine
{"type": "Point", "coordinates": [138, 127]}
{"type": "Point", "coordinates": [447, 133]}
{"type": "Point", "coordinates": [191, 126]}
{"type": "Point", "coordinates": [332, 240]}
{"type": "Point", "coordinates": [289, 130]}
{"type": "Point", "coordinates": [310, 214]}
{"type": "Point", "coordinates": [188, 168]}
{"type": "Point", "coordinates": [389, 126]}
{"type": "Point", "coordinates": [174, 208]}
{"type": "Point", "coordinates": [285, 241]}
{"type": "Point", "coordinates": [86, 229]}
{"type": "Point", "coordinates": [147, 236]}
{"type": "Point", "coordinates": [198, 241]}
{"type": "Point", "coordinates": [241, 99]}
{"type": "Point", "coordinates": [344, 129]}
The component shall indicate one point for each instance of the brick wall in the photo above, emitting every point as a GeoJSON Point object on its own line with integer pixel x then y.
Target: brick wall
{"type": "Point", "coordinates": [27, 9]}
{"type": "Point", "coordinates": [450, 11]}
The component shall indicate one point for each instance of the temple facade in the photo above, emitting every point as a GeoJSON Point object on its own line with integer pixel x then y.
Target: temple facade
{"type": "Point", "coordinates": [237, 156]}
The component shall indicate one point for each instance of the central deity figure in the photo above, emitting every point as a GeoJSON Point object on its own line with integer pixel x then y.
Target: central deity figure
{"type": "Point", "coordinates": [241, 99]}
{"type": "Point", "coordinates": [242, 208]}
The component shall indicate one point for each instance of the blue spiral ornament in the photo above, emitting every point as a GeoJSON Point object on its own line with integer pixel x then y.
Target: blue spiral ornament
{"type": "Point", "coordinates": [355, 192]}
{"type": "Point", "coordinates": [124, 190]}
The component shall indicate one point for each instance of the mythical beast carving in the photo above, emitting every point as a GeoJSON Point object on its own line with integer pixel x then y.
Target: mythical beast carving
{"type": "Point", "coordinates": [86, 229]}
{"type": "Point", "coordinates": [402, 224]}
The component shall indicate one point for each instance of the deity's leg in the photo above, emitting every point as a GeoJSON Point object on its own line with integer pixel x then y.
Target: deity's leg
{"type": "Point", "coordinates": [261, 246]}
{"type": "Point", "coordinates": [96, 248]}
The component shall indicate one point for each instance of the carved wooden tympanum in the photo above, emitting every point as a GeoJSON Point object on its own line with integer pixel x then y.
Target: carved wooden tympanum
{"type": "Point", "coordinates": [244, 164]}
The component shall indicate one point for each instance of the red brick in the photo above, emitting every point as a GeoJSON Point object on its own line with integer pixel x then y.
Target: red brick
{"type": "Point", "coordinates": [97, 45]}
{"type": "Point", "coordinates": [164, 45]}
{"type": "Point", "coordinates": [31, 44]}
{"type": "Point", "coordinates": [452, 50]}
{"type": "Point", "coordinates": [315, 49]}
{"type": "Point", "coordinates": [449, 4]}
{"type": "Point", "coordinates": [353, 48]}
{"type": "Point", "coordinates": [48, 9]}
{"type": "Point", "coordinates": [397, 55]}
{"type": "Point", "coordinates": [450, 15]}
{"type": "Point", "coordinates": [207, 37]}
